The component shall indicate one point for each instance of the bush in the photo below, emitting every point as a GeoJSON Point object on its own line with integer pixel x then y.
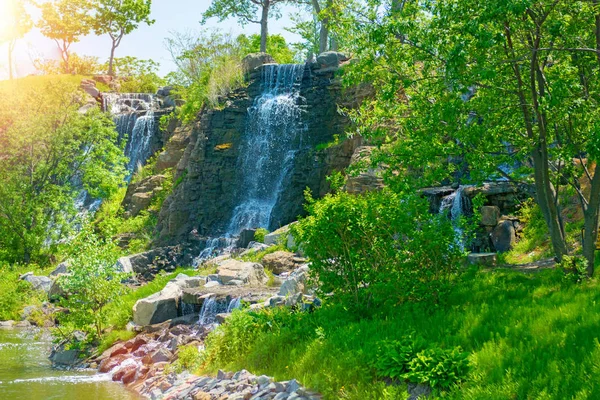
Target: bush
{"type": "Point", "coordinates": [91, 284]}
{"type": "Point", "coordinates": [378, 248]}
{"type": "Point", "coordinates": [189, 359]}
{"type": "Point", "coordinates": [409, 360]}
{"type": "Point", "coordinates": [574, 267]}
{"type": "Point", "coordinates": [259, 235]}
{"type": "Point", "coordinates": [16, 294]}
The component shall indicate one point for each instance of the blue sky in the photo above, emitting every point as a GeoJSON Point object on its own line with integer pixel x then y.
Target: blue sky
{"type": "Point", "coordinates": [147, 41]}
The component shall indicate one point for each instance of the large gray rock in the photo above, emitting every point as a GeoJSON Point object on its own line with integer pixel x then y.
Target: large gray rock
{"type": "Point", "coordinates": [60, 269]}
{"type": "Point", "coordinates": [504, 236]}
{"type": "Point", "coordinates": [255, 60]}
{"type": "Point", "coordinates": [296, 283]}
{"type": "Point", "coordinates": [331, 59]}
{"type": "Point", "coordinates": [483, 259]}
{"type": "Point", "coordinates": [41, 283]}
{"type": "Point", "coordinates": [159, 307]}
{"type": "Point", "coordinates": [247, 272]}
{"type": "Point", "coordinates": [246, 237]}
{"type": "Point", "coordinates": [490, 215]}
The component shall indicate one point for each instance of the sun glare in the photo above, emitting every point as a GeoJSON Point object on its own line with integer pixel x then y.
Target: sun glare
{"type": "Point", "coordinates": [7, 12]}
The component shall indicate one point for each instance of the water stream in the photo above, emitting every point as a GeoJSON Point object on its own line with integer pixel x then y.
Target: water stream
{"type": "Point", "coordinates": [26, 374]}
{"type": "Point", "coordinates": [272, 138]}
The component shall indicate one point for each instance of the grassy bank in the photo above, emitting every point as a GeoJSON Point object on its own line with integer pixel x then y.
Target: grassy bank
{"type": "Point", "coordinates": [529, 336]}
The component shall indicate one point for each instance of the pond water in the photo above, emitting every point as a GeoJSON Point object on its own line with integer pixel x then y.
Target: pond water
{"type": "Point", "coordinates": [26, 373]}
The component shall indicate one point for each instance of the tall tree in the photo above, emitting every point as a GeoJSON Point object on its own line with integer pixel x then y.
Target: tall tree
{"type": "Point", "coordinates": [65, 22]}
{"type": "Point", "coordinates": [247, 11]}
{"type": "Point", "coordinates": [16, 24]}
{"type": "Point", "coordinates": [322, 11]}
{"type": "Point", "coordinates": [118, 18]}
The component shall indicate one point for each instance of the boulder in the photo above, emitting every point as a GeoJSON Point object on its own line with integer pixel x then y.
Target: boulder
{"type": "Point", "coordinates": [255, 60]}
{"type": "Point", "coordinates": [295, 283]}
{"type": "Point", "coordinates": [159, 307]}
{"type": "Point", "coordinates": [105, 79]}
{"type": "Point", "coordinates": [41, 283]}
{"type": "Point", "coordinates": [281, 261]}
{"type": "Point", "coordinates": [61, 356]}
{"type": "Point", "coordinates": [490, 215]}
{"type": "Point", "coordinates": [331, 59]}
{"type": "Point", "coordinates": [60, 269]}
{"type": "Point", "coordinates": [187, 282]}
{"type": "Point", "coordinates": [254, 247]}
{"type": "Point", "coordinates": [247, 272]}
{"type": "Point", "coordinates": [246, 237]}
{"type": "Point", "coordinates": [504, 236]}
{"type": "Point", "coordinates": [124, 265]}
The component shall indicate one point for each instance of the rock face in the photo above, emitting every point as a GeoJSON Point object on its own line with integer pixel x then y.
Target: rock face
{"type": "Point", "coordinates": [368, 179]}
{"type": "Point", "coordinates": [208, 173]}
{"type": "Point", "coordinates": [139, 195]}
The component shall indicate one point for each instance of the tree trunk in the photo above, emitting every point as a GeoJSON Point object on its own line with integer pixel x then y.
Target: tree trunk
{"type": "Point", "coordinates": [111, 60]}
{"type": "Point", "coordinates": [324, 31]}
{"type": "Point", "coordinates": [591, 219]}
{"type": "Point", "coordinates": [11, 47]}
{"type": "Point", "coordinates": [264, 26]}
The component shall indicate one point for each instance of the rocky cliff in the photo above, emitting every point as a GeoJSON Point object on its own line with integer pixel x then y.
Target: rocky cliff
{"type": "Point", "coordinates": [209, 172]}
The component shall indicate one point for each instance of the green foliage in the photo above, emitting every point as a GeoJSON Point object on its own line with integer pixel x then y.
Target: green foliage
{"type": "Point", "coordinates": [118, 18]}
{"type": "Point", "coordinates": [44, 165]}
{"type": "Point", "coordinates": [575, 268]}
{"type": "Point", "coordinates": [91, 284]}
{"type": "Point", "coordinates": [259, 235]}
{"type": "Point", "coordinates": [277, 47]}
{"type": "Point", "coordinates": [259, 255]}
{"type": "Point", "coordinates": [409, 359]}
{"type": "Point", "coordinates": [65, 22]}
{"type": "Point", "coordinates": [526, 335]}
{"type": "Point", "coordinates": [16, 23]}
{"type": "Point", "coordinates": [188, 359]}
{"type": "Point", "coordinates": [16, 294]}
{"type": "Point", "coordinates": [378, 248]}
{"type": "Point", "coordinates": [208, 68]}
{"type": "Point", "coordinates": [136, 75]}
{"type": "Point", "coordinates": [80, 65]}
{"type": "Point", "coordinates": [534, 243]}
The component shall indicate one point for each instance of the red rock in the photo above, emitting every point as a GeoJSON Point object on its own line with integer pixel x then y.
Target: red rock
{"type": "Point", "coordinates": [159, 356]}
{"type": "Point", "coordinates": [129, 376]}
{"type": "Point", "coordinates": [109, 363]}
{"type": "Point", "coordinates": [138, 342]}
{"type": "Point", "coordinates": [119, 349]}
{"type": "Point", "coordinates": [118, 376]}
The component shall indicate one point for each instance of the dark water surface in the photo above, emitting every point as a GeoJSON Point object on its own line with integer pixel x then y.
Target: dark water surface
{"type": "Point", "coordinates": [26, 373]}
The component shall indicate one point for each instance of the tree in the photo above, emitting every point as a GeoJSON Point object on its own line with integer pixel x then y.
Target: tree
{"type": "Point", "coordinates": [65, 21]}
{"type": "Point", "coordinates": [16, 25]}
{"type": "Point", "coordinates": [118, 18]}
{"type": "Point", "coordinates": [277, 47]}
{"type": "Point", "coordinates": [493, 83]}
{"type": "Point", "coordinates": [50, 153]}
{"type": "Point", "coordinates": [246, 12]}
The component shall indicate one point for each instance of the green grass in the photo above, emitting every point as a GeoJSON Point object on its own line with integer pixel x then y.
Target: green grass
{"type": "Point", "coordinates": [529, 337]}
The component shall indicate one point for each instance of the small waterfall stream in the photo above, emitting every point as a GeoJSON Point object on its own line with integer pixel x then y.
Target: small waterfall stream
{"type": "Point", "coordinates": [133, 114]}
{"type": "Point", "coordinates": [272, 138]}
{"type": "Point", "coordinates": [457, 204]}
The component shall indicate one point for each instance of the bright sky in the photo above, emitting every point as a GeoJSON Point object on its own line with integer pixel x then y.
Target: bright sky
{"type": "Point", "coordinates": [146, 42]}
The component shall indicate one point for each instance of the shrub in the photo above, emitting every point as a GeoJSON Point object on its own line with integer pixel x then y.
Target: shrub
{"type": "Point", "coordinates": [259, 235]}
{"type": "Point", "coordinates": [189, 359]}
{"type": "Point", "coordinates": [409, 360]}
{"type": "Point", "coordinates": [574, 267]}
{"type": "Point", "coordinates": [378, 248]}
{"type": "Point", "coordinates": [91, 284]}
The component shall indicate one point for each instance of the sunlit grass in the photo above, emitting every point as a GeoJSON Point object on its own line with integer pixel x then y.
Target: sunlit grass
{"type": "Point", "coordinates": [530, 336]}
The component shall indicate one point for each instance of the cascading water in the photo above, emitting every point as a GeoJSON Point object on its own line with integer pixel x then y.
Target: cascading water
{"type": "Point", "coordinates": [457, 203]}
{"type": "Point", "coordinates": [272, 138]}
{"type": "Point", "coordinates": [133, 114]}
{"type": "Point", "coordinates": [209, 312]}
{"type": "Point", "coordinates": [234, 304]}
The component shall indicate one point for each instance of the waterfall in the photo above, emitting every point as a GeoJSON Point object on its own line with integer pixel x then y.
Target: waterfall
{"type": "Point", "coordinates": [234, 304]}
{"type": "Point", "coordinates": [208, 312]}
{"type": "Point", "coordinates": [271, 140]}
{"type": "Point", "coordinates": [133, 114]}
{"type": "Point", "coordinates": [273, 137]}
{"type": "Point", "coordinates": [457, 204]}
